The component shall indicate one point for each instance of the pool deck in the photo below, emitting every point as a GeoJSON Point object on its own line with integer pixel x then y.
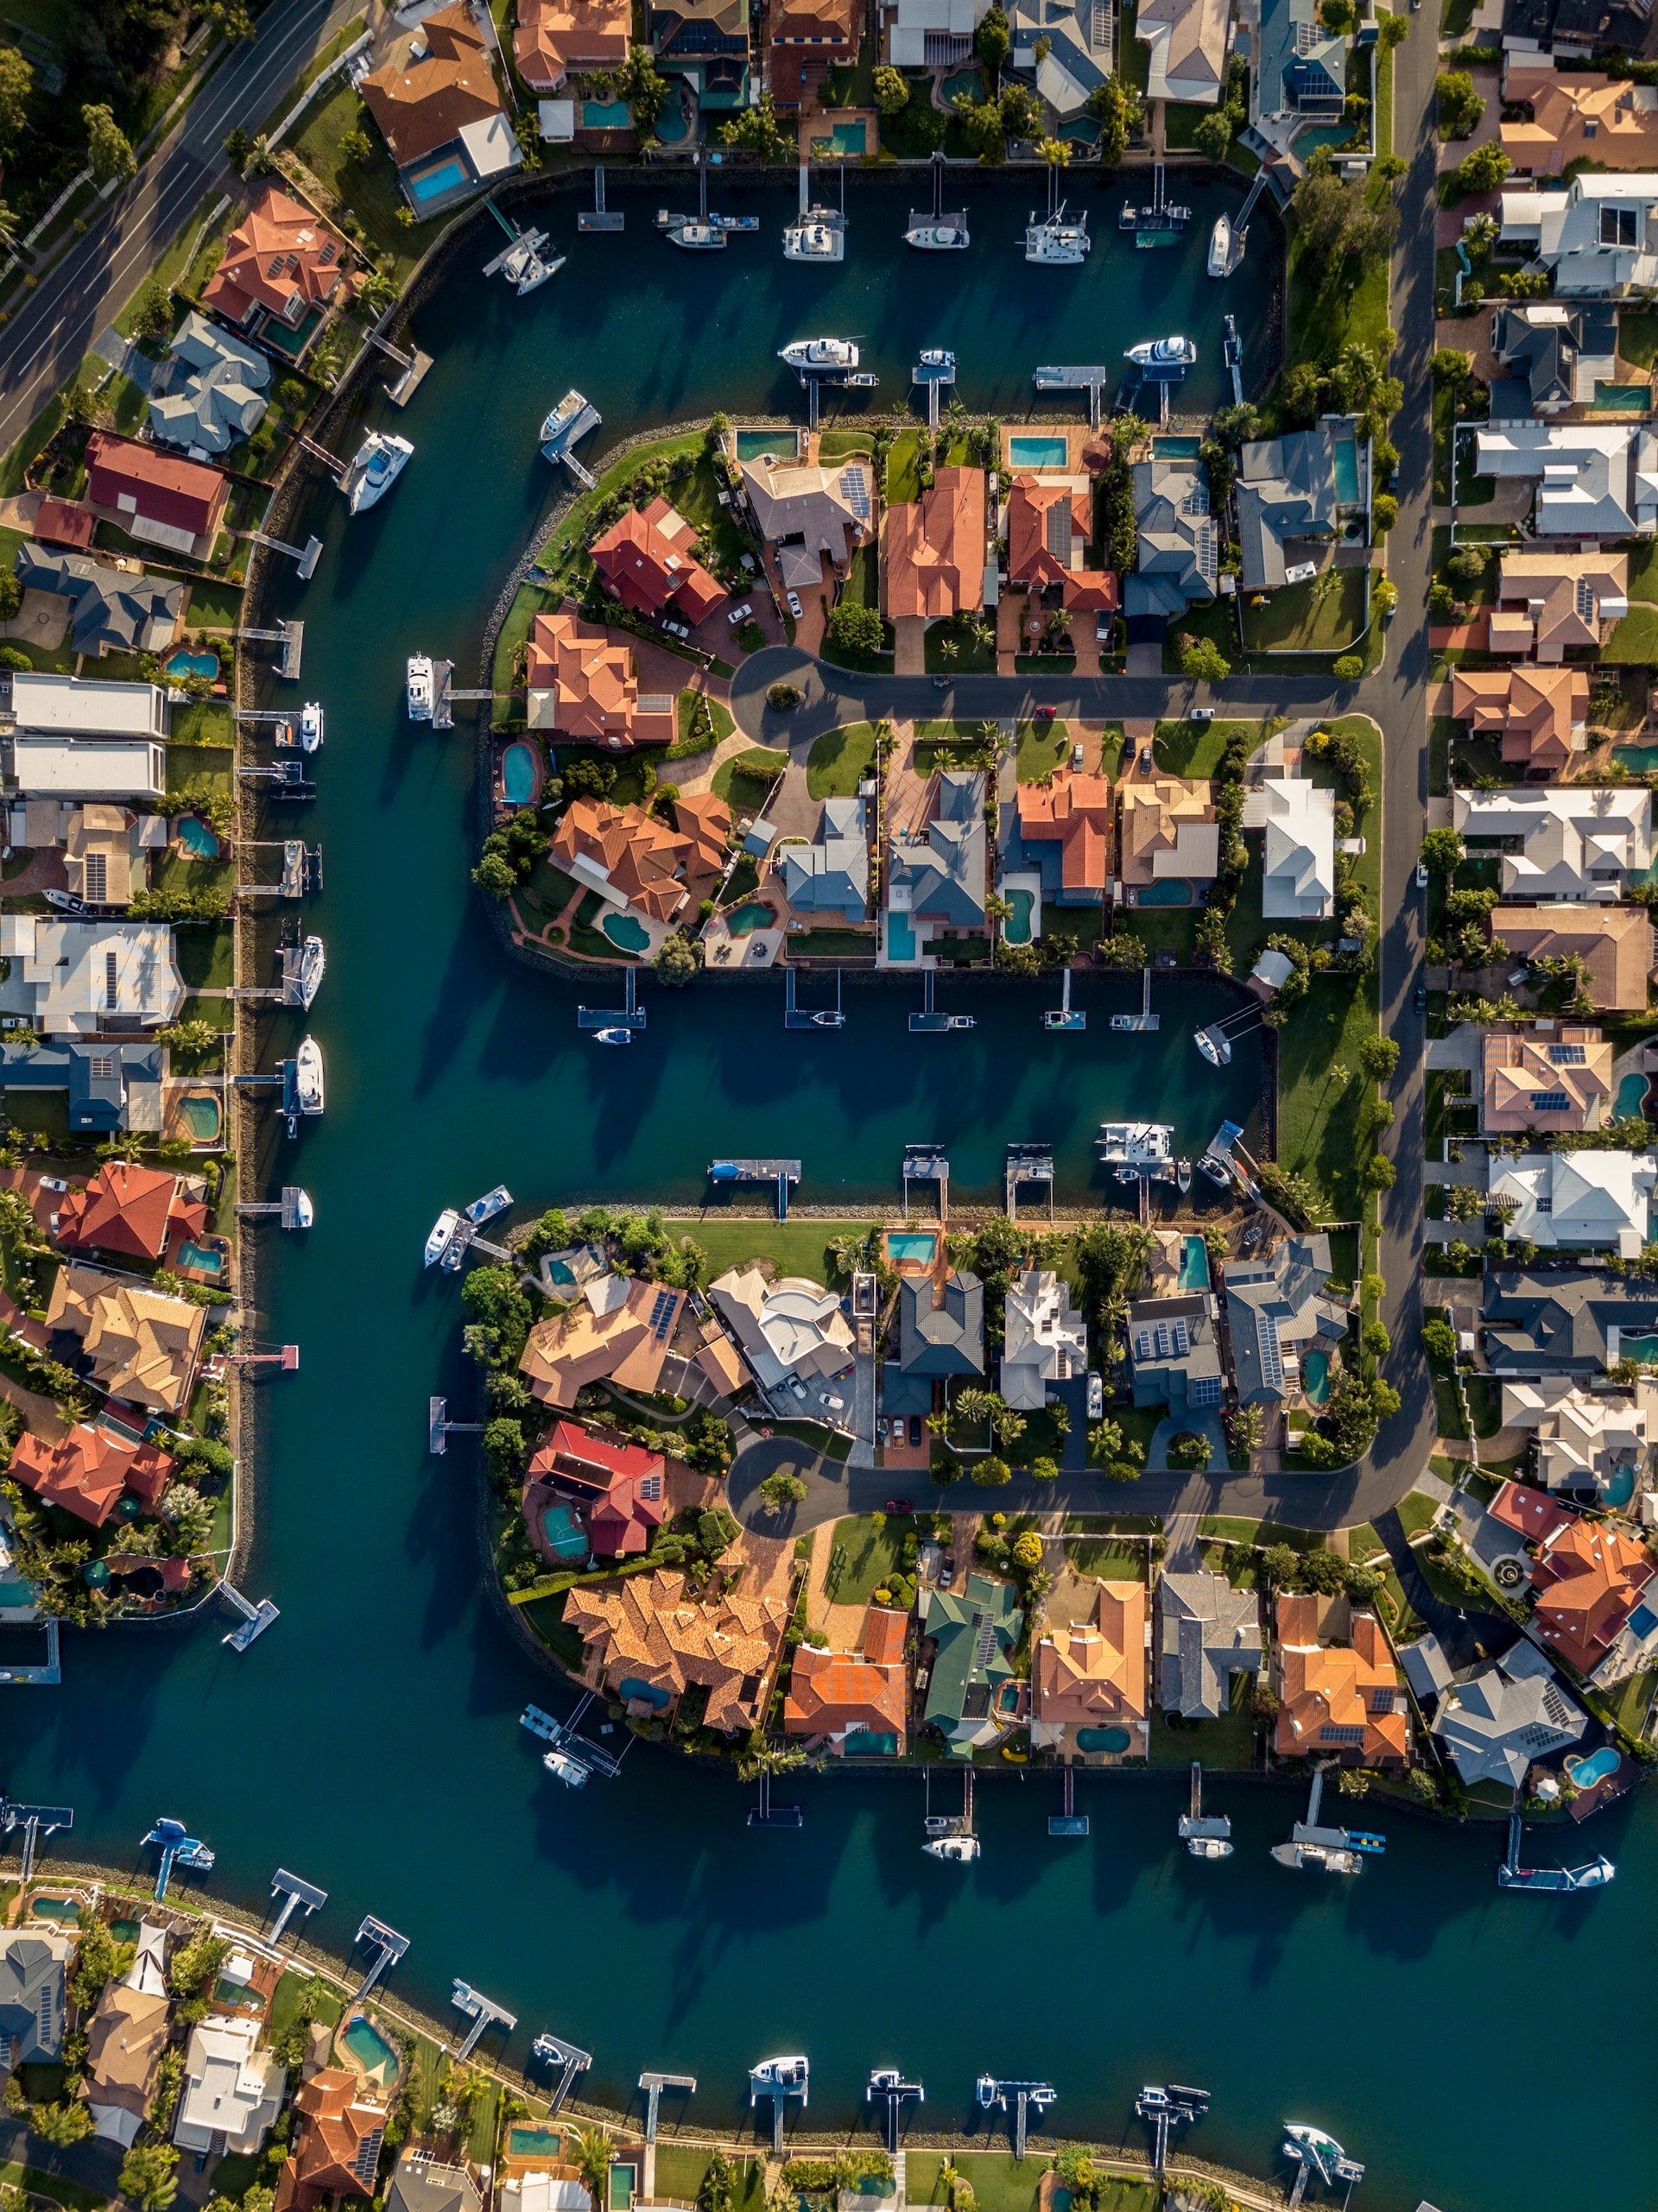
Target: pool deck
{"type": "Point", "coordinates": [1076, 437]}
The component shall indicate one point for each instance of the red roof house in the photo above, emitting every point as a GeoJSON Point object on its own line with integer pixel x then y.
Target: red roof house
{"type": "Point", "coordinates": [160, 497]}
{"type": "Point", "coordinates": [63, 523]}
{"type": "Point", "coordinates": [1073, 810]}
{"type": "Point", "coordinates": [1589, 1578]}
{"type": "Point", "coordinates": [129, 1209]}
{"type": "Point", "coordinates": [336, 2146]}
{"type": "Point", "coordinates": [646, 560]}
{"type": "Point", "coordinates": [86, 1470]}
{"type": "Point", "coordinates": [1529, 1512]}
{"type": "Point", "coordinates": [863, 1695]}
{"type": "Point", "coordinates": [282, 263]}
{"type": "Point", "coordinates": [622, 1487]}
{"type": "Point", "coordinates": [1048, 528]}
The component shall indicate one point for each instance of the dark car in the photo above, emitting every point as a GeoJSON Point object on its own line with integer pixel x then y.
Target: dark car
{"type": "Point", "coordinates": [900, 1504]}
{"type": "Point", "coordinates": [1419, 999]}
{"type": "Point", "coordinates": [914, 1428]}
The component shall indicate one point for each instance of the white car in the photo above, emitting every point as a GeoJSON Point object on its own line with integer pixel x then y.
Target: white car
{"type": "Point", "coordinates": [674, 629]}
{"type": "Point", "coordinates": [1201, 714]}
{"type": "Point", "coordinates": [1421, 875]}
{"type": "Point", "coordinates": [53, 1183]}
{"type": "Point", "coordinates": [792, 599]}
{"type": "Point", "coordinates": [1095, 1396]}
{"type": "Point", "coordinates": [1078, 756]}
{"type": "Point", "coordinates": [743, 614]}
{"type": "Point", "coordinates": [1302, 573]}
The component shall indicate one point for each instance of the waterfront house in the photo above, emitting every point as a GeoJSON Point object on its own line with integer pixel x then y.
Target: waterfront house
{"type": "Point", "coordinates": [1575, 842]}
{"type": "Point", "coordinates": [1539, 717]}
{"type": "Point", "coordinates": [136, 1344]}
{"type": "Point", "coordinates": [1613, 942]}
{"type": "Point", "coordinates": [1062, 828]}
{"type": "Point", "coordinates": [706, 42]}
{"type": "Point", "coordinates": [854, 1702]}
{"type": "Point", "coordinates": [584, 685]}
{"type": "Point", "coordinates": [631, 858]}
{"type": "Point", "coordinates": [931, 33]}
{"type": "Point", "coordinates": [1167, 832]}
{"type": "Point", "coordinates": [125, 2038]}
{"type": "Point", "coordinates": [1554, 356]}
{"type": "Point", "coordinates": [282, 268]}
{"type": "Point", "coordinates": [1302, 70]}
{"type": "Point", "coordinates": [1563, 1322]}
{"type": "Point", "coordinates": [1175, 1352]}
{"type": "Point", "coordinates": [107, 850]}
{"type": "Point", "coordinates": [31, 1996]}
{"type": "Point", "coordinates": [806, 38]}
{"type": "Point", "coordinates": [1207, 1633]}
{"type": "Point", "coordinates": [787, 1327]}
{"type": "Point", "coordinates": [1592, 1445]}
{"type": "Point", "coordinates": [933, 562]}
{"type": "Point", "coordinates": [420, 2183]}
{"type": "Point", "coordinates": [108, 607]}
{"type": "Point", "coordinates": [1599, 236]}
{"type": "Point", "coordinates": [541, 2191]}
{"type": "Point", "coordinates": [440, 110]}
{"type": "Point", "coordinates": [1588, 117]}
{"type": "Point", "coordinates": [618, 1330]}
{"type": "Point", "coordinates": [1088, 1681]}
{"type": "Point", "coordinates": [1299, 818]}
{"type": "Point", "coordinates": [1276, 1312]}
{"type": "Point", "coordinates": [209, 392]}
{"type": "Point", "coordinates": [1065, 45]}
{"type": "Point", "coordinates": [62, 708]}
{"type": "Point", "coordinates": [91, 978]}
{"type": "Point", "coordinates": [1044, 1339]}
{"type": "Point", "coordinates": [232, 2090]}
{"type": "Point", "coordinates": [645, 560]}
{"type": "Point", "coordinates": [620, 1489]}
{"type": "Point", "coordinates": [1178, 556]}
{"type": "Point", "coordinates": [937, 874]}
{"type": "Point", "coordinates": [809, 515]}
{"type": "Point", "coordinates": [161, 498]}
{"type": "Point", "coordinates": [830, 877]}
{"type": "Point", "coordinates": [1187, 40]}
{"type": "Point", "coordinates": [65, 769]}
{"type": "Point", "coordinates": [1589, 1580]}
{"type": "Point", "coordinates": [337, 2143]}
{"type": "Point", "coordinates": [972, 1634]}
{"type": "Point", "coordinates": [1049, 521]}
{"type": "Point", "coordinates": [1337, 1699]}
{"type": "Point", "coordinates": [107, 1087]}
{"type": "Point", "coordinates": [942, 1325]}
{"type": "Point", "coordinates": [130, 1210]}
{"type": "Point", "coordinates": [1583, 1200]}
{"type": "Point", "coordinates": [703, 821]}
{"type": "Point", "coordinates": [649, 1640]}
{"type": "Point", "coordinates": [554, 39]}
{"type": "Point", "coordinates": [1495, 1720]}
{"type": "Point", "coordinates": [1593, 480]}
{"type": "Point", "coordinates": [1548, 602]}
{"type": "Point", "coordinates": [1287, 503]}
{"type": "Point", "coordinates": [1548, 1077]}
{"type": "Point", "coordinates": [88, 1469]}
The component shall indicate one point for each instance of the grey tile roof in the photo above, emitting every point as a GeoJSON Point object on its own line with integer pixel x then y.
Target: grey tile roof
{"type": "Point", "coordinates": [946, 1338]}
{"type": "Point", "coordinates": [1273, 1303]}
{"type": "Point", "coordinates": [1558, 1322]}
{"type": "Point", "coordinates": [108, 607]}
{"type": "Point", "coordinates": [110, 1086]}
{"type": "Point", "coordinates": [1174, 1355]}
{"type": "Point", "coordinates": [1495, 1721]}
{"type": "Point", "coordinates": [832, 874]}
{"type": "Point", "coordinates": [944, 867]}
{"type": "Point", "coordinates": [1286, 489]}
{"type": "Point", "coordinates": [213, 390]}
{"type": "Point", "coordinates": [421, 2184]}
{"type": "Point", "coordinates": [1178, 542]}
{"type": "Point", "coordinates": [1207, 1633]}
{"type": "Point", "coordinates": [31, 1995]}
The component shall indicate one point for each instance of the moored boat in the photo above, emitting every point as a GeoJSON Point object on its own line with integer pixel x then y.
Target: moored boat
{"type": "Point", "coordinates": [486, 1208]}
{"type": "Point", "coordinates": [958, 1850]}
{"type": "Point", "coordinates": [374, 468]}
{"type": "Point", "coordinates": [419, 685]}
{"type": "Point", "coordinates": [442, 1232]}
{"type": "Point", "coordinates": [310, 727]}
{"type": "Point", "coordinates": [613, 1036]}
{"type": "Point", "coordinates": [313, 961]}
{"type": "Point", "coordinates": [821, 353]}
{"type": "Point", "coordinates": [1220, 248]}
{"type": "Point", "coordinates": [938, 237]}
{"type": "Point", "coordinates": [1164, 353]}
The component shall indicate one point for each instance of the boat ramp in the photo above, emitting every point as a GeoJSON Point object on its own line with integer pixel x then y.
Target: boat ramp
{"type": "Point", "coordinates": [297, 1896]}
{"type": "Point", "coordinates": [1560, 1880]}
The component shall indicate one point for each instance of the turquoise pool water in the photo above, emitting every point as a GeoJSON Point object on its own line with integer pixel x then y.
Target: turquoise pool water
{"type": "Point", "coordinates": [1194, 1264]}
{"type": "Point", "coordinates": [671, 125]}
{"type": "Point", "coordinates": [622, 2181]}
{"type": "Point", "coordinates": [1643, 1349]}
{"type": "Point", "coordinates": [1631, 1095]}
{"type": "Point", "coordinates": [751, 444]}
{"type": "Point", "coordinates": [1176, 449]}
{"type": "Point", "coordinates": [1168, 891]}
{"type": "Point", "coordinates": [15, 1596]}
{"type": "Point", "coordinates": [1112, 1739]}
{"type": "Point", "coordinates": [605, 115]}
{"type": "Point", "coordinates": [1346, 457]}
{"type": "Point", "coordinates": [1016, 928]}
{"type": "Point", "coordinates": [1315, 1378]}
{"type": "Point", "coordinates": [1038, 452]}
{"type": "Point", "coordinates": [847, 142]}
{"type": "Point", "coordinates": [564, 1540]}
{"type": "Point", "coordinates": [901, 938]}
{"type": "Point", "coordinates": [651, 1692]}
{"type": "Point", "coordinates": [65, 1909]}
{"type": "Point", "coordinates": [862, 1743]}
{"type": "Point", "coordinates": [1621, 399]}
{"type": "Point", "coordinates": [913, 1244]}
{"type": "Point", "coordinates": [534, 2142]}
{"type": "Point", "coordinates": [198, 839]}
{"type": "Point", "coordinates": [742, 921]}
{"type": "Point", "coordinates": [200, 1257]}
{"type": "Point", "coordinates": [1585, 1773]}
{"type": "Point", "coordinates": [432, 184]}
{"type": "Point", "coordinates": [192, 664]}
{"type": "Point", "coordinates": [1621, 1489]}
{"type": "Point", "coordinates": [626, 932]}
{"type": "Point", "coordinates": [201, 1114]}
{"type": "Point", "coordinates": [369, 2047]}
{"type": "Point", "coordinates": [517, 776]}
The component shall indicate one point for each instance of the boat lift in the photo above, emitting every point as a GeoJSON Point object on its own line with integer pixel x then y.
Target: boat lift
{"type": "Point", "coordinates": [937, 218]}
{"type": "Point", "coordinates": [888, 2087]}
{"type": "Point", "coordinates": [1069, 1822]}
{"type": "Point", "coordinates": [598, 216]}
{"type": "Point", "coordinates": [292, 1210]}
{"type": "Point", "coordinates": [286, 779]}
{"type": "Point", "coordinates": [568, 2059]}
{"type": "Point", "coordinates": [1030, 1164]}
{"type": "Point", "coordinates": [289, 635]}
{"type": "Point", "coordinates": [929, 1021]}
{"type": "Point", "coordinates": [387, 1947]}
{"type": "Point", "coordinates": [630, 1016]}
{"type": "Point", "coordinates": [653, 2085]}
{"type": "Point", "coordinates": [306, 556]}
{"type": "Point", "coordinates": [783, 1174]}
{"type": "Point", "coordinates": [763, 1814]}
{"type": "Point", "coordinates": [482, 2011]}
{"type": "Point", "coordinates": [439, 1428]}
{"type": "Point", "coordinates": [1565, 1880]}
{"type": "Point", "coordinates": [1312, 2152]}
{"type": "Point", "coordinates": [37, 1823]}
{"type": "Point", "coordinates": [806, 1017]}
{"type": "Point", "coordinates": [1326, 1850]}
{"type": "Point", "coordinates": [254, 1619]}
{"type": "Point", "coordinates": [927, 1163]}
{"type": "Point", "coordinates": [1092, 380]}
{"type": "Point", "coordinates": [1018, 2099]}
{"type": "Point", "coordinates": [576, 1757]}
{"type": "Point", "coordinates": [297, 1896]}
{"type": "Point", "coordinates": [1062, 1016]}
{"type": "Point", "coordinates": [1215, 1041]}
{"type": "Point", "coordinates": [521, 262]}
{"type": "Point", "coordinates": [780, 2092]}
{"type": "Point", "coordinates": [1145, 1020]}
{"type": "Point", "coordinates": [1231, 346]}
{"type": "Point", "coordinates": [1164, 2109]}
{"type": "Point", "coordinates": [301, 870]}
{"type": "Point", "coordinates": [413, 367]}
{"type": "Point", "coordinates": [1205, 1835]}
{"type": "Point", "coordinates": [177, 1849]}
{"type": "Point", "coordinates": [934, 377]}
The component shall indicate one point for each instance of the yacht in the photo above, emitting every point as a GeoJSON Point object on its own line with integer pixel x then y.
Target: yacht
{"type": "Point", "coordinates": [310, 727]}
{"type": "Point", "coordinates": [304, 1212]}
{"type": "Point", "coordinates": [1164, 353]}
{"type": "Point", "coordinates": [1314, 2147]}
{"type": "Point", "coordinates": [443, 1230]}
{"type": "Point", "coordinates": [814, 236]}
{"type": "Point", "coordinates": [1208, 1847]}
{"type": "Point", "coordinates": [313, 960]}
{"type": "Point", "coordinates": [790, 2075]}
{"type": "Point", "coordinates": [1055, 241]}
{"type": "Point", "coordinates": [308, 1073]}
{"type": "Point", "coordinates": [419, 684]}
{"type": "Point", "coordinates": [1220, 248]}
{"type": "Point", "coordinates": [377, 466]}
{"type": "Point", "coordinates": [960, 1850]}
{"type": "Point", "coordinates": [571, 1771]}
{"type": "Point", "coordinates": [614, 1036]}
{"type": "Point", "coordinates": [486, 1208]}
{"type": "Point", "coordinates": [1183, 1176]}
{"type": "Point", "coordinates": [938, 237]}
{"type": "Point", "coordinates": [698, 237]}
{"type": "Point", "coordinates": [830, 353]}
{"type": "Point", "coordinates": [937, 356]}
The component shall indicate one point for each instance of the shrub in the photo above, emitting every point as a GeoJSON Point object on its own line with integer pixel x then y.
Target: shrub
{"type": "Point", "coordinates": [1347, 668]}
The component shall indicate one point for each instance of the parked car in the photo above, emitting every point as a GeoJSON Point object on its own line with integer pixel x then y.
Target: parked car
{"type": "Point", "coordinates": [1078, 756]}
{"type": "Point", "coordinates": [914, 1428]}
{"type": "Point", "coordinates": [675, 629]}
{"type": "Point", "coordinates": [1104, 626]}
{"type": "Point", "coordinates": [798, 1388]}
{"type": "Point", "coordinates": [792, 600]}
{"type": "Point", "coordinates": [1201, 714]}
{"type": "Point", "coordinates": [53, 1183]}
{"type": "Point", "coordinates": [947, 1571]}
{"type": "Point", "coordinates": [1421, 875]}
{"type": "Point", "coordinates": [1419, 999]}
{"type": "Point", "coordinates": [743, 614]}
{"type": "Point", "coordinates": [899, 1505]}
{"type": "Point", "coordinates": [1095, 1396]}
{"type": "Point", "coordinates": [881, 1427]}
{"type": "Point", "coordinates": [1043, 714]}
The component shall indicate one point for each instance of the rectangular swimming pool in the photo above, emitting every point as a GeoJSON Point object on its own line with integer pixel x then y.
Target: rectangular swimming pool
{"type": "Point", "coordinates": [901, 938]}
{"type": "Point", "coordinates": [1038, 452]}
{"type": "Point", "coordinates": [1344, 455]}
{"type": "Point", "coordinates": [751, 444]}
{"type": "Point", "coordinates": [434, 184]}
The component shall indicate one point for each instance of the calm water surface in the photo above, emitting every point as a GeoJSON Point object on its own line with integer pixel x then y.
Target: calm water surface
{"type": "Point", "coordinates": [370, 1743]}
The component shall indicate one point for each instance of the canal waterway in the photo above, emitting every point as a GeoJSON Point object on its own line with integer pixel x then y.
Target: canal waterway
{"type": "Point", "coordinates": [369, 1741]}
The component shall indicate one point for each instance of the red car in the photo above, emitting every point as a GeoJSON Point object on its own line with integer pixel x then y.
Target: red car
{"type": "Point", "coordinates": [899, 1505]}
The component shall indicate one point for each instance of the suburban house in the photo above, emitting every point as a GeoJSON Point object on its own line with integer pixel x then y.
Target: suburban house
{"type": "Point", "coordinates": [942, 1325]}
{"type": "Point", "coordinates": [938, 873]}
{"type": "Point", "coordinates": [62, 769]}
{"type": "Point", "coordinates": [337, 2143]}
{"type": "Point", "coordinates": [1178, 557]}
{"type": "Point", "coordinates": [282, 269]}
{"type": "Point", "coordinates": [1587, 118]}
{"type": "Point", "coordinates": [649, 1640]}
{"type": "Point", "coordinates": [1599, 235]}
{"type": "Point", "coordinates": [92, 978]}
{"type": "Point", "coordinates": [788, 1327]}
{"type": "Point", "coordinates": [831, 876]}
{"type": "Point", "coordinates": [1302, 71]}
{"type": "Point", "coordinates": [554, 39]}
{"type": "Point", "coordinates": [107, 1086]}
{"type": "Point", "coordinates": [1063, 830]}
{"type": "Point", "coordinates": [89, 1469]}
{"type": "Point", "coordinates": [809, 515]}
{"type": "Point", "coordinates": [440, 110]}
{"type": "Point", "coordinates": [1548, 1077]}
{"type": "Point", "coordinates": [1584, 1442]}
{"type": "Point", "coordinates": [584, 685]}
{"type": "Point", "coordinates": [1589, 1579]}
{"type": "Point", "coordinates": [1299, 818]}
{"type": "Point", "coordinates": [1577, 1201]}
{"type": "Point", "coordinates": [420, 2183]}
{"type": "Point", "coordinates": [1186, 43]}
{"type": "Point", "coordinates": [210, 391]}
{"type": "Point", "coordinates": [857, 1702]}
{"type": "Point", "coordinates": [31, 1997]}
{"type": "Point", "coordinates": [618, 1489]}
{"type": "Point", "coordinates": [105, 849]}
{"type": "Point", "coordinates": [1044, 1339]}
{"type": "Point", "coordinates": [707, 41]}
{"type": "Point", "coordinates": [645, 560]}
{"type": "Point", "coordinates": [1089, 1693]}
{"type": "Point", "coordinates": [806, 39]}
{"type": "Point", "coordinates": [1175, 1352]}
{"type": "Point", "coordinates": [933, 555]}
{"type": "Point", "coordinates": [1593, 480]}
{"type": "Point", "coordinates": [1495, 1720]}
{"type": "Point", "coordinates": [108, 607]}
{"type": "Point", "coordinates": [1539, 717]}
{"type": "Point", "coordinates": [1576, 842]}
{"type": "Point", "coordinates": [1575, 30]}
{"type": "Point", "coordinates": [160, 498]}
{"type": "Point", "coordinates": [232, 2090]}
{"type": "Point", "coordinates": [1063, 45]}
{"type": "Point", "coordinates": [1207, 1633]}
{"type": "Point", "coordinates": [1166, 831]}
{"type": "Point", "coordinates": [1564, 1322]}
{"type": "Point", "coordinates": [1287, 503]}
{"type": "Point", "coordinates": [1341, 1700]}
{"type": "Point", "coordinates": [136, 1344]}
{"type": "Point", "coordinates": [1554, 356]}
{"type": "Point", "coordinates": [930, 34]}
{"type": "Point", "coordinates": [125, 2038]}
{"type": "Point", "coordinates": [1614, 944]}
{"type": "Point", "coordinates": [130, 1210]}
{"type": "Point", "coordinates": [1547, 603]}
{"type": "Point", "coordinates": [1275, 1311]}
{"type": "Point", "coordinates": [618, 1330]}
{"type": "Point", "coordinates": [972, 1632]}
{"type": "Point", "coordinates": [79, 707]}
{"type": "Point", "coordinates": [632, 859]}
{"type": "Point", "coordinates": [1049, 523]}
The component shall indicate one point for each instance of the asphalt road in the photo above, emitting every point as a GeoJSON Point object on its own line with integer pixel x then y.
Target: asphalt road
{"type": "Point", "coordinates": [46, 341]}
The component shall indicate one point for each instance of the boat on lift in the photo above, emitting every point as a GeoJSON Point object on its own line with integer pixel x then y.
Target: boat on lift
{"type": "Point", "coordinates": [1183, 1176]}
{"type": "Point", "coordinates": [957, 1850]}
{"type": "Point", "coordinates": [419, 682]}
{"type": "Point", "coordinates": [304, 1212]}
{"type": "Point", "coordinates": [1214, 1044]}
{"type": "Point", "coordinates": [774, 2077]}
{"type": "Point", "coordinates": [486, 1208]}
{"type": "Point", "coordinates": [563, 1768]}
{"type": "Point", "coordinates": [1208, 1847]}
{"type": "Point", "coordinates": [1163, 353]}
{"type": "Point", "coordinates": [1056, 242]}
{"type": "Point", "coordinates": [1220, 248]}
{"type": "Point", "coordinates": [938, 237]}
{"type": "Point", "coordinates": [613, 1036]}
{"type": "Point", "coordinates": [815, 237]}
{"type": "Point", "coordinates": [375, 467]}
{"type": "Point", "coordinates": [314, 962]}
{"type": "Point", "coordinates": [441, 1237]}
{"type": "Point", "coordinates": [310, 726]}
{"type": "Point", "coordinates": [938, 356]}
{"type": "Point", "coordinates": [831, 355]}
{"type": "Point", "coordinates": [308, 1077]}
{"type": "Point", "coordinates": [698, 234]}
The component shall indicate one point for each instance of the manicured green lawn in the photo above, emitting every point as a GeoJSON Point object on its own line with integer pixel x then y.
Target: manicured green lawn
{"type": "Point", "coordinates": [1193, 749]}
{"type": "Point", "coordinates": [871, 1548]}
{"type": "Point", "coordinates": [210, 763]}
{"type": "Point", "coordinates": [681, 2167]}
{"type": "Point", "coordinates": [53, 2186]}
{"type": "Point", "coordinates": [1042, 747]}
{"type": "Point", "coordinates": [1113, 1558]}
{"type": "Point", "coordinates": [1416, 1513]}
{"type": "Point", "coordinates": [1325, 614]}
{"type": "Point", "coordinates": [203, 722]}
{"type": "Point", "coordinates": [840, 760]}
{"type": "Point", "coordinates": [745, 782]}
{"type": "Point", "coordinates": [1634, 640]}
{"type": "Point", "coordinates": [795, 1248]}
{"type": "Point", "coordinates": [719, 714]}
{"type": "Point", "coordinates": [368, 188]}
{"type": "Point", "coordinates": [285, 2004]}
{"type": "Point", "coordinates": [1226, 1741]}
{"type": "Point", "coordinates": [206, 957]}
{"type": "Point", "coordinates": [213, 604]}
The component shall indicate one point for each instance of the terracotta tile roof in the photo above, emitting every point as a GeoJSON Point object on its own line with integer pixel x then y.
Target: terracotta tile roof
{"type": "Point", "coordinates": [1541, 599]}
{"type": "Point", "coordinates": [1095, 1671]}
{"type": "Point", "coordinates": [1540, 715]}
{"type": "Point", "coordinates": [1532, 1513]}
{"type": "Point", "coordinates": [807, 37]}
{"type": "Point", "coordinates": [934, 560]}
{"type": "Point", "coordinates": [1074, 811]}
{"type": "Point", "coordinates": [651, 1633]}
{"type": "Point", "coordinates": [1615, 942]}
{"type": "Point", "coordinates": [86, 1470]}
{"type": "Point", "coordinates": [704, 820]}
{"type": "Point", "coordinates": [623, 1487]}
{"type": "Point", "coordinates": [1589, 1578]}
{"type": "Point", "coordinates": [1555, 1078]}
{"type": "Point", "coordinates": [639, 855]}
{"type": "Point", "coordinates": [646, 560]}
{"type": "Point", "coordinates": [884, 1634]}
{"type": "Point", "coordinates": [281, 258]}
{"type": "Point", "coordinates": [1166, 828]}
{"type": "Point", "coordinates": [554, 37]}
{"type": "Point", "coordinates": [830, 1692]}
{"type": "Point", "coordinates": [584, 683]}
{"type": "Point", "coordinates": [1609, 121]}
{"type": "Point", "coordinates": [163, 487]}
{"type": "Point", "coordinates": [140, 1344]}
{"type": "Point", "coordinates": [424, 104]}
{"type": "Point", "coordinates": [625, 1343]}
{"type": "Point", "coordinates": [129, 1209]}
{"type": "Point", "coordinates": [340, 2133]}
{"type": "Point", "coordinates": [1048, 523]}
{"type": "Point", "coordinates": [1337, 1699]}
{"type": "Point", "coordinates": [62, 522]}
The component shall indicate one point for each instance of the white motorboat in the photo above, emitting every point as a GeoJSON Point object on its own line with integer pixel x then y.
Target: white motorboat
{"type": "Point", "coordinates": [373, 470]}
{"type": "Point", "coordinates": [698, 238]}
{"type": "Point", "coordinates": [828, 353]}
{"type": "Point", "coordinates": [571, 1771]}
{"type": "Point", "coordinates": [308, 1077]}
{"type": "Point", "coordinates": [1316, 2148]}
{"type": "Point", "coordinates": [314, 962]}
{"type": "Point", "coordinates": [304, 1212]}
{"type": "Point", "coordinates": [1164, 353]}
{"type": "Point", "coordinates": [815, 235]}
{"type": "Point", "coordinates": [1183, 1176]}
{"type": "Point", "coordinates": [486, 1208]}
{"type": "Point", "coordinates": [1209, 1044]}
{"type": "Point", "coordinates": [65, 902]}
{"type": "Point", "coordinates": [420, 683]}
{"type": "Point", "coordinates": [1208, 1847]}
{"type": "Point", "coordinates": [938, 237]}
{"type": "Point", "coordinates": [310, 727]}
{"type": "Point", "coordinates": [1220, 248]}
{"type": "Point", "coordinates": [614, 1036]}
{"type": "Point", "coordinates": [443, 1230]}
{"type": "Point", "coordinates": [958, 1850]}
{"type": "Point", "coordinates": [937, 356]}
{"type": "Point", "coordinates": [790, 2075]}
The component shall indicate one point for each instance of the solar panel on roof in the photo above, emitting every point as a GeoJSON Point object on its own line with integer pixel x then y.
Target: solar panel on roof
{"type": "Point", "coordinates": [1568, 1056]}
{"type": "Point", "coordinates": [1550, 1101]}
{"type": "Point", "coordinates": [1272, 1359]}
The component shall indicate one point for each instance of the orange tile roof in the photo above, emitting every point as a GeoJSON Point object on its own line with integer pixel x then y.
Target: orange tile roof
{"type": "Point", "coordinates": [649, 1630]}
{"type": "Point", "coordinates": [1048, 525]}
{"type": "Point", "coordinates": [129, 1209]}
{"type": "Point", "coordinates": [1095, 1670]}
{"type": "Point", "coordinates": [646, 560]}
{"type": "Point", "coordinates": [884, 1634]}
{"type": "Point", "coordinates": [424, 104]}
{"type": "Point", "coordinates": [1531, 1512]}
{"type": "Point", "coordinates": [934, 551]}
{"type": "Point", "coordinates": [641, 856]}
{"type": "Point", "coordinates": [1073, 811]}
{"type": "Point", "coordinates": [830, 1692]}
{"type": "Point", "coordinates": [1548, 601]}
{"type": "Point", "coordinates": [1337, 1699]}
{"type": "Point", "coordinates": [625, 1345]}
{"type": "Point", "coordinates": [584, 682]}
{"type": "Point", "coordinates": [1614, 942]}
{"type": "Point", "coordinates": [1538, 714]}
{"type": "Point", "coordinates": [86, 1470]}
{"type": "Point", "coordinates": [280, 256]}
{"type": "Point", "coordinates": [1518, 1071]}
{"type": "Point", "coordinates": [704, 820]}
{"type": "Point", "coordinates": [554, 37]}
{"type": "Point", "coordinates": [1607, 121]}
{"type": "Point", "coordinates": [1589, 1578]}
{"type": "Point", "coordinates": [807, 36]}
{"type": "Point", "coordinates": [340, 2133]}
{"type": "Point", "coordinates": [1155, 814]}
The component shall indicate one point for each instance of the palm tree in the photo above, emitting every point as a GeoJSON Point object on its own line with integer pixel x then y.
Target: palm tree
{"type": "Point", "coordinates": [974, 1403]}
{"type": "Point", "coordinates": [590, 2150]}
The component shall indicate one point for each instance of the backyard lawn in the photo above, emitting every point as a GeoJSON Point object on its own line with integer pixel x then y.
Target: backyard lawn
{"type": "Point", "coordinates": [368, 188]}
{"type": "Point", "coordinates": [1325, 614]}
{"type": "Point", "coordinates": [840, 760]}
{"type": "Point", "coordinates": [681, 2167]}
{"type": "Point", "coordinates": [795, 1247]}
{"type": "Point", "coordinates": [871, 1548]}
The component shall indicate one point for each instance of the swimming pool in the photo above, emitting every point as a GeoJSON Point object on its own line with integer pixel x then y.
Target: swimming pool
{"type": "Point", "coordinates": [533, 2143]}
{"type": "Point", "coordinates": [1631, 1095]}
{"type": "Point", "coordinates": [751, 444]}
{"type": "Point", "coordinates": [844, 141]}
{"type": "Point", "coordinates": [1585, 1772]}
{"type": "Point", "coordinates": [970, 81]}
{"type": "Point", "coordinates": [202, 1115]}
{"type": "Point", "coordinates": [1620, 1489]}
{"type": "Point", "coordinates": [648, 1693]}
{"type": "Point", "coordinates": [192, 664]}
{"type": "Point", "coordinates": [562, 1535]}
{"type": "Point", "coordinates": [626, 932]}
{"type": "Point", "coordinates": [1176, 449]}
{"type": "Point", "coordinates": [861, 1743]}
{"type": "Point", "coordinates": [901, 936]}
{"type": "Point", "coordinates": [1194, 1264]}
{"type": "Point", "coordinates": [378, 2058]}
{"type": "Point", "coordinates": [915, 1247]}
{"type": "Point", "coordinates": [1621, 399]}
{"type": "Point", "coordinates": [1643, 1350]}
{"type": "Point", "coordinates": [1112, 1739]}
{"type": "Point", "coordinates": [1038, 452]}
{"type": "Point", "coordinates": [62, 1909]}
{"type": "Point", "coordinates": [1344, 456]}
{"type": "Point", "coordinates": [1016, 928]}
{"type": "Point", "coordinates": [605, 115]}
{"type": "Point", "coordinates": [1168, 891]}
{"type": "Point", "coordinates": [742, 921]}
{"type": "Point", "coordinates": [518, 775]}
{"type": "Point", "coordinates": [432, 184]}
{"type": "Point", "coordinates": [198, 839]}
{"type": "Point", "coordinates": [1315, 1378]}
{"type": "Point", "coordinates": [205, 1261]}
